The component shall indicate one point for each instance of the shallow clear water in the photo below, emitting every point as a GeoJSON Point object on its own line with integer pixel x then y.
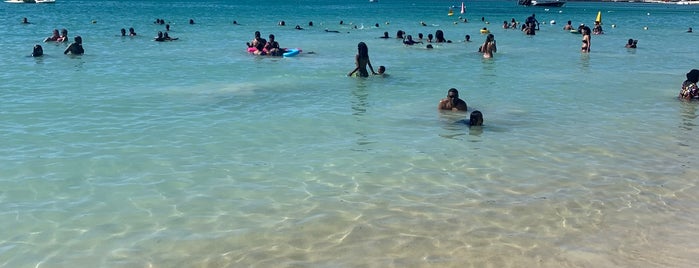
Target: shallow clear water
{"type": "Point", "coordinates": [194, 153]}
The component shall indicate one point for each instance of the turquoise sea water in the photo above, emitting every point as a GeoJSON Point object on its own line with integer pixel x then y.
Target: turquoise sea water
{"type": "Point", "coordinates": [194, 153]}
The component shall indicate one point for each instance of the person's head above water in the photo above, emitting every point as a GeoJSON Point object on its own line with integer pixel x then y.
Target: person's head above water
{"type": "Point", "coordinates": [453, 93]}
{"type": "Point", "coordinates": [382, 69]}
{"type": "Point", "coordinates": [693, 76]}
{"type": "Point", "coordinates": [38, 51]}
{"type": "Point", "coordinates": [476, 118]}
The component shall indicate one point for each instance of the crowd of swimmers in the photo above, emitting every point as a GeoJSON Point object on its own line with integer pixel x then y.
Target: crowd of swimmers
{"type": "Point", "coordinates": [261, 46]}
{"type": "Point", "coordinates": [76, 48]}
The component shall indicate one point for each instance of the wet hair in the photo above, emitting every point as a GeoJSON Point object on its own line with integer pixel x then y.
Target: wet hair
{"type": "Point", "coordinates": [419, 35]}
{"type": "Point", "coordinates": [362, 50]}
{"type": "Point", "coordinates": [490, 38]}
{"type": "Point", "coordinates": [123, 31]}
{"type": "Point", "coordinates": [476, 118]}
{"type": "Point", "coordinates": [429, 36]}
{"type": "Point", "coordinates": [78, 39]}
{"type": "Point", "coordinates": [456, 92]}
{"type": "Point", "coordinates": [38, 51]}
{"type": "Point", "coordinates": [64, 31]}
{"type": "Point", "coordinates": [439, 35]}
{"type": "Point", "coordinates": [257, 34]}
{"type": "Point", "coordinates": [382, 69]}
{"type": "Point", "coordinates": [271, 36]}
{"type": "Point", "coordinates": [693, 76]}
{"type": "Point", "coordinates": [399, 34]}
{"type": "Point", "coordinates": [310, 23]}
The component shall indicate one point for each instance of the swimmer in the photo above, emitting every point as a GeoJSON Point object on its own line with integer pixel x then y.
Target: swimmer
{"type": "Point", "coordinates": [132, 32]}
{"type": "Point", "coordinates": [168, 38]}
{"type": "Point", "coordinates": [76, 48]}
{"type": "Point", "coordinates": [272, 47]}
{"type": "Point", "coordinates": [282, 23]}
{"type": "Point", "coordinates": [362, 60]}
{"type": "Point", "coordinates": [191, 21]}
{"type": "Point", "coordinates": [385, 35]}
{"type": "Point", "coordinates": [452, 101]}
{"type": "Point", "coordinates": [64, 36]}
{"type": "Point", "coordinates": [53, 37]}
{"type": "Point", "coordinates": [689, 30]}
{"type": "Point", "coordinates": [419, 36]}
{"type": "Point", "coordinates": [25, 21]}
{"type": "Point", "coordinates": [467, 38]}
{"type": "Point", "coordinates": [597, 29]}
{"type": "Point", "coordinates": [123, 32]}
{"type": "Point", "coordinates": [167, 27]}
{"type": "Point", "coordinates": [310, 24]}
{"type": "Point", "coordinates": [298, 27]}
{"type": "Point", "coordinates": [689, 87]}
{"type": "Point", "coordinates": [586, 39]}
{"type": "Point", "coordinates": [382, 71]}
{"type": "Point", "coordinates": [429, 38]}
{"type": "Point", "coordinates": [439, 37]}
{"type": "Point", "coordinates": [331, 31]}
{"type": "Point", "coordinates": [568, 26]}
{"type": "Point", "coordinates": [235, 22]}
{"type": "Point", "coordinates": [476, 119]}
{"type": "Point", "coordinates": [38, 51]}
{"type": "Point", "coordinates": [489, 47]}
{"type": "Point", "coordinates": [429, 46]}
{"type": "Point", "coordinates": [410, 41]}
{"type": "Point", "coordinates": [399, 34]}
{"type": "Point", "coordinates": [255, 40]}
{"type": "Point", "coordinates": [505, 25]}
{"type": "Point", "coordinates": [631, 43]}
{"type": "Point", "coordinates": [159, 37]}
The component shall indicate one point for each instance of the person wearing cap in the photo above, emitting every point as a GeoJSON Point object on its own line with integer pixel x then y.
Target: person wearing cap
{"type": "Point", "coordinates": [689, 87]}
{"type": "Point", "coordinates": [452, 102]}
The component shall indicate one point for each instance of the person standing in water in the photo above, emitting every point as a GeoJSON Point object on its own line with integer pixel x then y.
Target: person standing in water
{"type": "Point", "coordinates": [76, 48]}
{"type": "Point", "coordinates": [362, 60]}
{"type": "Point", "coordinates": [489, 47]}
{"type": "Point", "coordinates": [689, 87]}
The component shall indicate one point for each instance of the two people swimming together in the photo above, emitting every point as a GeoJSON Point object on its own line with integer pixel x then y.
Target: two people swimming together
{"type": "Point", "coordinates": [453, 103]}
{"type": "Point", "coordinates": [262, 47]}
{"type": "Point", "coordinates": [362, 60]}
